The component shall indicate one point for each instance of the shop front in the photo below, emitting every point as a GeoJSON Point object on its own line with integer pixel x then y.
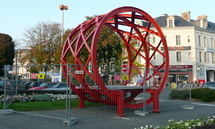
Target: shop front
{"type": "Point", "coordinates": [180, 73]}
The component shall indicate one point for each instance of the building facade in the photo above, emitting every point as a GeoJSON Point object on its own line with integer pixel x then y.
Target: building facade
{"type": "Point", "coordinates": [191, 46]}
{"type": "Point", "coordinates": [19, 68]}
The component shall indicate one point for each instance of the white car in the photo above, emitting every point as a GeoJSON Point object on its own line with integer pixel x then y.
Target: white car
{"type": "Point", "coordinates": [132, 84]}
{"type": "Point", "coordinates": [58, 86]}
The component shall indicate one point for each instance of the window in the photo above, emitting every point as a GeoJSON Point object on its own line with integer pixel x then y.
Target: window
{"type": "Point", "coordinates": [213, 58]}
{"type": "Point", "coordinates": [199, 38]}
{"type": "Point", "coordinates": [178, 56]}
{"type": "Point", "coordinates": [206, 57]}
{"type": "Point", "coordinates": [189, 55]}
{"type": "Point", "coordinates": [205, 42]}
{"type": "Point", "coordinates": [178, 42]}
{"type": "Point", "coordinates": [170, 23]}
{"type": "Point", "coordinates": [154, 56]}
{"type": "Point", "coordinates": [208, 42]}
{"type": "Point", "coordinates": [164, 59]}
{"type": "Point", "coordinates": [139, 58]}
{"type": "Point", "coordinates": [138, 44]}
{"type": "Point", "coordinates": [153, 40]}
{"type": "Point", "coordinates": [212, 43]}
{"type": "Point", "coordinates": [188, 38]}
{"type": "Point", "coordinates": [200, 56]}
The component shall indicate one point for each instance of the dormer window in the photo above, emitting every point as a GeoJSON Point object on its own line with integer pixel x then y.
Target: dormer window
{"type": "Point", "coordinates": [171, 21]}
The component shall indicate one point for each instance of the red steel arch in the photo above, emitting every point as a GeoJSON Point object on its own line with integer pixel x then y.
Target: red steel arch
{"type": "Point", "coordinates": [124, 21]}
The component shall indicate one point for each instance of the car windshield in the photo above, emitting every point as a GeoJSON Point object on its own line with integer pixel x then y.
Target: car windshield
{"type": "Point", "coordinates": [210, 84]}
{"type": "Point", "coordinates": [43, 85]}
{"type": "Point", "coordinates": [59, 85]}
{"type": "Point", "coordinates": [28, 83]}
{"type": "Point", "coordinates": [22, 83]}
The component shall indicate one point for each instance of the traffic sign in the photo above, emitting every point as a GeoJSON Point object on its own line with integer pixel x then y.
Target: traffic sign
{"type": "Point", "coordinates": [41, 75]}
{"type": "Point", "coordinates": [124, 77]}
{"type": "Point", "coordinates": [124, 68]}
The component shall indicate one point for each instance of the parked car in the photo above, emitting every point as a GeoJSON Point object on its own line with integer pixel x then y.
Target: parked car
{"type": "Point", "coordinates": [12, 84]}
{"type": "Point", "coordinates": [44, 85]}
{"type": "Point", "coordinates": [35, 84]}
{"type": "Point", "coordinates": [1, 84]}
{"type": "Point", "coordinates": [24, 86]}
{"type": "Point", "coordinates": [58, 86]}
{"type": "Point", "coordinates": [131, 83]}
{"type": "Point", "coordinates": [21, 84]}
{"type": "Point", "coordinates": [210, 85]}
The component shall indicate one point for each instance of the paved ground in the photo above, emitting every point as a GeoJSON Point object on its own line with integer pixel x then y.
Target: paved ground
{"type": "Point", "coordinates": [169, 110]}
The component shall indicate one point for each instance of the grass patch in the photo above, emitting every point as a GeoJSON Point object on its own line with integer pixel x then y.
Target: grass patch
{"type": "Point", "coordinates": [47, 105]}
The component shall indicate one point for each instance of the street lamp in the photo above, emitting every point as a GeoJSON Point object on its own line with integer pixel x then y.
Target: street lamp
{"type": "Point", "coordinates": [62, 8]}
{"type": "Point", "coordinates": [16, 52]}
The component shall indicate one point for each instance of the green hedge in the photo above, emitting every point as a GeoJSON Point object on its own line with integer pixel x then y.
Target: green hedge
{"type": "Point", "coordinates": [202, 94]}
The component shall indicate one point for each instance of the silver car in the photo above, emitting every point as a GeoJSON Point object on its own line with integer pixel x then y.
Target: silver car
{"type": "Point", "coordinates": [210, 85]}
{"type": "Point", "coordinates": [58, 86]}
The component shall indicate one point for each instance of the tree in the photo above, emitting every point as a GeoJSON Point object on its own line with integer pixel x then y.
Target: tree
{"type": "Point", "coordinates": [44, 42]}
{"type": "Point", "coordinates": [6, 51]}
{"type": "Point", "coordinates": [109, 46]}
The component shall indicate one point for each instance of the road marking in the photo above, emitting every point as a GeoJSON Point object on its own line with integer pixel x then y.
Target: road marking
{"type": "Point", "coordinates": [125, 118]}
{"type": "Point", "coordinates": [204, 104]}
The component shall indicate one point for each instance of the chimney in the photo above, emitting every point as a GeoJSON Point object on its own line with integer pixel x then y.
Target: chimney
{"type": "Point", "coordinates": [203, 21]}
{"type": "Point", "coordinates": [186, 15]}
{"type": "Point", "coordinates": [202, 17]}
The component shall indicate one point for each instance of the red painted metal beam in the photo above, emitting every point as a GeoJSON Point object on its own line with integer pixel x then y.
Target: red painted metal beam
{"type": "Point", "coordinates": [85, 38]}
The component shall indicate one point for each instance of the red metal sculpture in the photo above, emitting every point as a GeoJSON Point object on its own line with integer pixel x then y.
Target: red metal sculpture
{"type": "Point", "coordinates": [124, 21]}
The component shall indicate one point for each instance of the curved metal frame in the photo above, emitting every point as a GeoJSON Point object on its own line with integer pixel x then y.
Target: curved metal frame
{"type": "Point", "coordinates": [80, 38]}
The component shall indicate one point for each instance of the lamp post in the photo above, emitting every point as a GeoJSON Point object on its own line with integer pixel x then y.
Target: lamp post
{"type": "Point", "coordinates": [16, 52]}
{"type": "Point", "coordinates": [62, 8]}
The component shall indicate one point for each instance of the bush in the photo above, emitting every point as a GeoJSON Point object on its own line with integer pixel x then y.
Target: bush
{"type": "Point", "coordinates": [179, 94]}
{"type": "Point", "coordinates": [195, 93]}
{"type": "Point", "coordinates": [203, 94]}
{"type": "Point", "coordinates": [207, 95]}
{"type": "Point", "coordinates": [173, 94]}
{"type": "Point", "coordinates": [184, 94]}
{"type": "Point", "coordinates": [42, 97]}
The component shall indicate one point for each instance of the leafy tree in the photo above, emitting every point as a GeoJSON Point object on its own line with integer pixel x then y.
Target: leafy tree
{"type": "Point", "coordinates": [6, 51]}
{"type": "Point", "coordinates": [44, 42]}
{"type": "Point", "coordinates": [109, 46]}
{"type": "Point", "coordinates": [59, 48]}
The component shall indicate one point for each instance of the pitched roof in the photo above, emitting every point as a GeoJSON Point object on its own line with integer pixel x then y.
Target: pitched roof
{"type": "Point", "coordinates": [179, 21]}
